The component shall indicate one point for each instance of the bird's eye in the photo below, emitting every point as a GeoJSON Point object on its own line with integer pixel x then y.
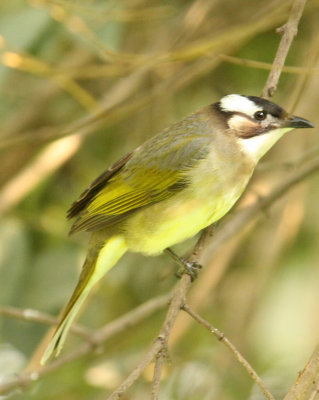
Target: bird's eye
{"type": "Point", "coordinates": [260, 115]}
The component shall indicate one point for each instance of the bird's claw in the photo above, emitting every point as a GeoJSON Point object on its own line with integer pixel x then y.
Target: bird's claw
{"type": "Point", "coordinates": [191, 268]}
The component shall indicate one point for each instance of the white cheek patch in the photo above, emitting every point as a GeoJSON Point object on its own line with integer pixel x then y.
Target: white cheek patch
{"type": "Point", "coordinates": [238, 103]}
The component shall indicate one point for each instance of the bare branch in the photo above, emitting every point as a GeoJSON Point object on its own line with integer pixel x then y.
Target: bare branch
{"type": "Point", "coordinates": [159, 362]}
{"type": "Point", "coordinates": [289, 69]}
{"type": "Point", "coordinates": [134, 375]}
{"type": "Point", "coordinates": [289, 31]}
{"type": "Point", "coordinates": [29, 314]}
{"type": "Point", "coordinates": [240, 358]}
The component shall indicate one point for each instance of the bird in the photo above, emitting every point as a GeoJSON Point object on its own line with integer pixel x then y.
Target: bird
{"type": "Point", "coordinates": [171, 187]}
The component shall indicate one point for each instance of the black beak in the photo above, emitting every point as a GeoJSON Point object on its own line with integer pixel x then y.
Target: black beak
{"type": "Point", "coordinates": [296, 122]}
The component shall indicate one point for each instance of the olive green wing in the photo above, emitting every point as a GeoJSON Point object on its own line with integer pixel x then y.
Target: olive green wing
{"type": "Point", "coordinates": [153, 173]}
{"type": "Point", "coordinates": [85, 198]}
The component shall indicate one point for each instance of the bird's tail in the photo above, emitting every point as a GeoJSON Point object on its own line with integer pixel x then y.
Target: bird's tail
{"type": "Point", "coordinates": [101, 257]}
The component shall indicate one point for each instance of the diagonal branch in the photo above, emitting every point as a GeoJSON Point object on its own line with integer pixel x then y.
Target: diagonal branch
{"type": "Point", "coordinates": [159, 362]}
{"type": "Point", "coordinates": [240, 358]}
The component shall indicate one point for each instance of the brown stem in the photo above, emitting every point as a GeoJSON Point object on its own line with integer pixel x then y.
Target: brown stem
{"type": "Point", "coordinates": [42, 318]}
{"type": "Point", "coordinates": [159, 362]}
{"type": "Point", "coordinates": [289, 31]}
{"type": "Point", "coordinates": [222, 338]}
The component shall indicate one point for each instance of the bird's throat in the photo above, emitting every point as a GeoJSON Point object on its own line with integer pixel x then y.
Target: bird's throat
{"type": "Point", "coordinates": [257, 146]}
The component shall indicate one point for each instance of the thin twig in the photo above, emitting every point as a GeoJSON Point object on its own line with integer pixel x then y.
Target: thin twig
{"type": "Point", "coordinates": [134, 375]}
{"type": "Point", "coordinates": [289, 69]}
{"type": "Point", "coordinates": [240, 358]}
{"type": "Point", "coordinates": [289, 31]}
{"type": "Point", "coordinates": [137, 371]}
{"type": "Point", "coordinates": [306, 378]}
{"type": "Point", "coordinates": [98, 337]}
{"type": "Point", "coordinates": [28, 314]}
{"type": "Point", "coordinates": [159, 362]}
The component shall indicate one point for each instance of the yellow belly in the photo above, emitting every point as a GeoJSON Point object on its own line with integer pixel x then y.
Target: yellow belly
{"type": "Point", "coordinates": [169, 222]}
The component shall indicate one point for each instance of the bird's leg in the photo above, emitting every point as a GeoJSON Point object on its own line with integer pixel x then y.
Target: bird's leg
{"type": "Point", "coordinates": [189, 267]}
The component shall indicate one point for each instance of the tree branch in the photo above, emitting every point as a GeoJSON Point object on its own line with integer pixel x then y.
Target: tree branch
{"type": "Point", "coordinates": [42, 318]}
{"type": "Point", "coordinates": [289, 69]}
{"type": "Point", "coordinates": [159, 362]}
{"type": "Point", "coordinates": [222, 338]}
{"type": "Point", "coordinates": [289, 31]}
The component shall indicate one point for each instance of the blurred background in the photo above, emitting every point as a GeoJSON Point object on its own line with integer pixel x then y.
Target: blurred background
{"type": "Point", "coordinates": [84, 82]}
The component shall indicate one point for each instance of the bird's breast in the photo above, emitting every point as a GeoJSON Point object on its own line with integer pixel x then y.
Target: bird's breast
{"type": "Point", "coordinates": [215, 185]}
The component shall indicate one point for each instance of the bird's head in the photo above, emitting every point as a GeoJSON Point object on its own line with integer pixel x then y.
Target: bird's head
{"type": "Point", "coordinates": [257, 123]}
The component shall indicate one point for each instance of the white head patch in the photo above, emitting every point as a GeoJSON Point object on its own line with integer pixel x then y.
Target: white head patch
{"type": "Point", "coordinates": [236, 102]}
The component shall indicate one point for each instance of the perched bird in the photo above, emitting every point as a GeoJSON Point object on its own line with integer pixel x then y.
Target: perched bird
{"type": "Point", "coordinates": [172, 186]}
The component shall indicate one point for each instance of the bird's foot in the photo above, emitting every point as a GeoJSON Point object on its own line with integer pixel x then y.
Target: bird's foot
{"type": "Point", "coordinates": [190, 268]}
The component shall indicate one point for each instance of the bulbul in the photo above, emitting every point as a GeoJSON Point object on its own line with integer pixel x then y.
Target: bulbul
{"type": "Point", "coordinates": [172, 186]}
